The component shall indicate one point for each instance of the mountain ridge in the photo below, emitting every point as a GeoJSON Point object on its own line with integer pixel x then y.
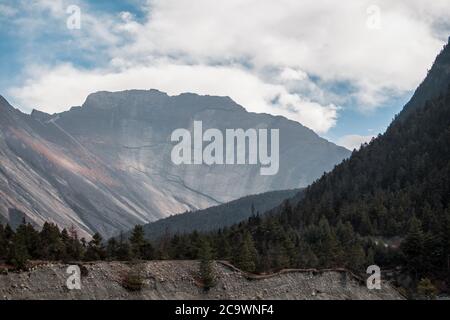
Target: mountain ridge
{"type": "Point", "coordinates": [105, 166]}
{"type": "Point", "coordinates": [220, 216]}
{"type": "Point", "coordinates": [386, 205]}
{"type": "Point", "coordinates": [436, 81]}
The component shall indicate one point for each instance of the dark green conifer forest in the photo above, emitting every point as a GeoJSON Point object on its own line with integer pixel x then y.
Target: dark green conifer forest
{"type": "Point", "coordinates": [388, 204]}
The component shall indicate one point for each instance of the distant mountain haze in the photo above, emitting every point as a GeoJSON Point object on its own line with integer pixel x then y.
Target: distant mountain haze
{"type": "Point", "coordinates": [105, 166]}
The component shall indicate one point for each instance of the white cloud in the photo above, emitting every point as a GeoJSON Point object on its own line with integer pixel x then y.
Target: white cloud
{"type": "Point", "coordinates": [247, 89]}
{"type": "Point", "coordinates": [263, 54]}
{"type": "Point", "coordinates": [7, 11]}
{"type": "Point", "coordinates": [324, 38]}
{"type": "Point", "coordinates": [354, 141]}
{"type": "Point", "coordinates": [289, 74]}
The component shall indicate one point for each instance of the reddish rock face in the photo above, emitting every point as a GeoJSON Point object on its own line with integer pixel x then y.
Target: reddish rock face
{"type": "Point", "coordinates": [105, 166]}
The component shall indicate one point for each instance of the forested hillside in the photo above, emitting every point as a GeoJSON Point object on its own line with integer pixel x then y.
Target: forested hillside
{"type": "Point", "coordinates": [388, 204]}
{"type": "Point", "coordinates": [396, 187]}
{"type": "Point", "coordinates": [393, 190]}
{"type": "Point", "coordinates": [220, 216]}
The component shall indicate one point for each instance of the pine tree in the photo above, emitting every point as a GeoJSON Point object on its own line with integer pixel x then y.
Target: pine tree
{"type": "Point", "coordinates": [8, 233]}
{"type": "Point", "coordinates": [445, 243]}
{"type": "Point", "coordinates": [18, 254]}
{"type": "Point", "coordinates": [246, 258]}
{"type": "Point", "coordinates": [137, 242]}
{"type": "Point", "coordinates": [370, 258]}
{"type": "Point", "coordinates": [412, 247]}
{"type": "Point", "coordinates": [328, 248]}
{"type": "Point", "coordinates": [51, 246]}
{"type": "Point", "coordinates": [3, 243]}
{"type": "Point", "coordinates": [206, 264]}
{"type": "Point", "coordinates": [95, 250]}
{"type": "Point", "coordinates": [65, 238]}
{"type": "Point", "coordinates": [356, 258]}
{"type": "Point", "coordinates": [111, 249]}
{"type": "Point", "coordinates": [30, 237]}
{"type": "Point", "coordinates": [307, 258]}
{"type": "Point", "coordinates": [123, 249]}
{"type": "Point", "coordinates": [74, 247]}
{"type": "Point", "coordinates": [148, 251]}
{"type": "Point", "coordinates": [225, 250]}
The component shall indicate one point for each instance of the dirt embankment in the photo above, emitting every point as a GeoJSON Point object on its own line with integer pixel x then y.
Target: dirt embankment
{"type": "Point", "coordinates": [179, 280]}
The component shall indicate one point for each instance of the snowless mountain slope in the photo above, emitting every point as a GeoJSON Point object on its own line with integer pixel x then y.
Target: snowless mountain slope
{"type": "Point", "coordinates": [106, 166]}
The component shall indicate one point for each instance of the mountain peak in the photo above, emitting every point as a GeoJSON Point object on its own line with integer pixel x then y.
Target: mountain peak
{"type": "Point", "coordinates": [40, 115]}
{"type": "Point", "coordinates": [5, 108]}
{"type": "Point", "coordinates": [152, 97]}
{"type": "Point", "coordinates": [108, 99]}
{"type": "Point", "coordinates": [435, 83]}
{"type": "Point", "coordinates": [4, 102]}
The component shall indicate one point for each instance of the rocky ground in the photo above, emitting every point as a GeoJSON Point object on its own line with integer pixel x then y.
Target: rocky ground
{"type": "Point", "coordinates": [179, 280]}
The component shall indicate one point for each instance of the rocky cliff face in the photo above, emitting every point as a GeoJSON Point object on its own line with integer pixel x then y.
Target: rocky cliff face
{"type": "Point", "coordinates": [179, 280]}
{"type": "Point", "coordinates": [105, 166]}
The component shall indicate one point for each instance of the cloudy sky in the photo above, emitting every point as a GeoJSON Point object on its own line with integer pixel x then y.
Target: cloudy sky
{"type": "Point", "coordinates": [344, 68]}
